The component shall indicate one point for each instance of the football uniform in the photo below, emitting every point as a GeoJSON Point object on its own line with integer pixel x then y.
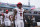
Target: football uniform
{"type": "Point", "coordinates": [7, 20]}
{"type": "Point", "coordinates": [19, 18]}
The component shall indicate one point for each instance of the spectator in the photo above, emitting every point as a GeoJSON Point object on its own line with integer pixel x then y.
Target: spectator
{"type": "Point", "coordinates": [29, 21]}
{"type": "Point", "coordinates": [33, 21]}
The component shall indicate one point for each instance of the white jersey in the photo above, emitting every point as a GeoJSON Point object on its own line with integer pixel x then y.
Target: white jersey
{"type": "Point", "coordinates": [7, 20]}
{"type": "Point", "coordinates": [6, 16]}
{"type": "Point", "coordinates": [19, 14]}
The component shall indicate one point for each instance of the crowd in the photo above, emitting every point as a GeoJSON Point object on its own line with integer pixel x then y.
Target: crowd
{"type": "Point", "coordinates": [31, 20]}
{"type": "Point", "coordinates": [32, 12]}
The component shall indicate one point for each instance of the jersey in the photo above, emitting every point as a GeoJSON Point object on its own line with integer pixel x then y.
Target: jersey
{"type": "Point", "coordinates": [7, 20]}
{"type": "Point", "coordinates": [19, 14]}
{"type": "Point", "coordinates": [6, 17]}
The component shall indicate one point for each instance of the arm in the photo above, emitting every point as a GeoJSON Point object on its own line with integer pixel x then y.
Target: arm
{"type": "Point", "coordinates": [10, 18]}
{"type": "Point", "coordinates": [3, 18]}
{"type": "Point", "coordinates": [24, 16]}
{"type": "Point", "coordinates": [15, 12]}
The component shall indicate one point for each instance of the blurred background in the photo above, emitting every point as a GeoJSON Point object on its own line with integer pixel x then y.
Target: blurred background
{"type": "Point", "coordinates": [30, 5]}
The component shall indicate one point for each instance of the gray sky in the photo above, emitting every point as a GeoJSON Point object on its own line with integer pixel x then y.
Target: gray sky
{"type": "Point", "coordinates": [25, 2]}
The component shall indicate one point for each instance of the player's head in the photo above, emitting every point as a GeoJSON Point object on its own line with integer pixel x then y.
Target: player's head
{"type": "Point", "coordinates": [6, 11]}
{"type": "Point", "coordinates": [19, 5]}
